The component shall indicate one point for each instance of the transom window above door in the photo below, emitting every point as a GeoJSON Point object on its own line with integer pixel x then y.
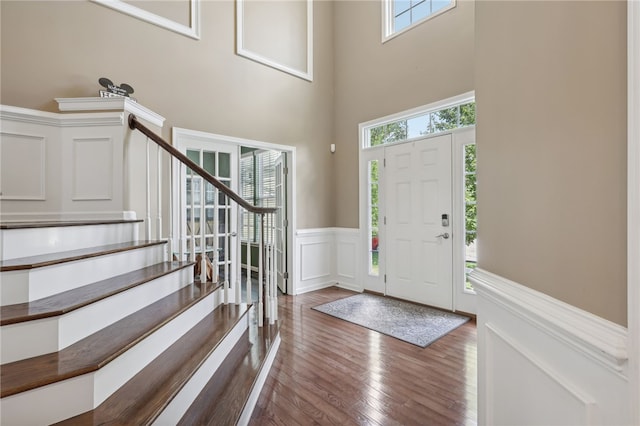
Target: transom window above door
{"type": "Point", "coordinates": [459, 112]}
{"type": "Point", "coordinates": [401, 15]}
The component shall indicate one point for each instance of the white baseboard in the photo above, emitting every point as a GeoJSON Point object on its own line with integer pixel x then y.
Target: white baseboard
{"type": "Point", "coordinates": [543, 361]}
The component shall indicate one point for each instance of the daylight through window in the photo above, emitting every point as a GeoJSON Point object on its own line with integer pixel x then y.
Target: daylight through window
{"type": "Point", "coordinates": [423, 124]}
{"type": "Point", "coordinates": [402, 14]}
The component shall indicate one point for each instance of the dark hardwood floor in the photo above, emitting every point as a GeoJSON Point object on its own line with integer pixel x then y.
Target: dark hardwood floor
{"type": "Point", "coordinates": [329, 371]}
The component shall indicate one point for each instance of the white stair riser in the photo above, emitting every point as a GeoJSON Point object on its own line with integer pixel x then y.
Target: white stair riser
{"type": "Point", "coordinates": [23, 242]}
{"type": "Point", "coordinates": [33, 284]}
{"type": "Point", "coordinates": [179, 405]}
{"type": "Point", "coordinates": [33, 338]}
{"type": "Point", "coordinates": [54, 403]}
{"type": "Point", "coordinates": [86, 392]}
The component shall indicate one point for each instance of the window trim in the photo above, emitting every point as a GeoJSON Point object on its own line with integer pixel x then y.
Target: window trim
{"type": "Point", "coordinates": [387, 19]}
{"type": "Point", "coordinates": [365, 128]}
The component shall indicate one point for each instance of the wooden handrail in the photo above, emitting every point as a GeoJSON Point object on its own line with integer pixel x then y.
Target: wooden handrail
{"type": "Point", "coordinates": [135, 124]}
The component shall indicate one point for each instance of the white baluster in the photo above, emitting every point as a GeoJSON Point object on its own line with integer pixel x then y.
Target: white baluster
{"type": "Point", "coordinates": [192, 235]}
{"type": "Point", "coordinates": [203, 229]}
{"type": "Point", "coordinates": [274, 293]}
{"type": "Point", "coordinates": [227, 235]}
{"type": "Point", "coordinates": [260, 270]}
{"type": "Point", "coordinates": [148, 195]}
{"type": "Point", "coordinates": [249, 239]}
{"type": "Point", "coordinates": [159, 195]}
{"type": "Point", "coordinates": [182, 222]}
{"type": "Point", "coordinates": [237, 269]}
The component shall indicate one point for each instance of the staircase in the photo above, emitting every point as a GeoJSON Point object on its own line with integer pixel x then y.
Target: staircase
{"type": "Point", "coordinates": [96, 326]}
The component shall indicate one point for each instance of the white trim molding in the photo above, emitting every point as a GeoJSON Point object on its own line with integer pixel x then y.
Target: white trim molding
{"type": "Point", "coordinates": [118, 103]}
{"type": "Point", "coordinates": [192, 30]}
{"type": "Point", "coordinates": [603, 340]}
{"type": "Point", "coordinates": [327, 257]}
{"type": "Point", "coordinates": [633, 204]}
{"type": "Point", "coordinates": [532, 344]}
{"type": "Point", "coordinates": [242, 50]}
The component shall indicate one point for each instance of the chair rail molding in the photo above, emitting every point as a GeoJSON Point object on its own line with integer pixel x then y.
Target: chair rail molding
{"type": "Point", "coordinates": [575, 361]}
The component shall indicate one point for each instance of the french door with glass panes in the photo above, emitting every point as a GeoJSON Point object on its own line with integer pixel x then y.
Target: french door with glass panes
{"type": "Point", "coordinates": [209, 219]}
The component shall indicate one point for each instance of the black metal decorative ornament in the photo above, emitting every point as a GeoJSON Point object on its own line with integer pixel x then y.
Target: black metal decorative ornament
{"type": "Point", "coordinates": [113, 90]}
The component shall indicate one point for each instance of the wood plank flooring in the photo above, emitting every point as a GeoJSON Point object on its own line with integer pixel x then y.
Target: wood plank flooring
{"type": "Point", "coordinates": [329, 371]}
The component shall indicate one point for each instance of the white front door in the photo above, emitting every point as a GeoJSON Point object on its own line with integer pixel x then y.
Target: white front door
{"type": "Point", "coordinates": [418, 205]}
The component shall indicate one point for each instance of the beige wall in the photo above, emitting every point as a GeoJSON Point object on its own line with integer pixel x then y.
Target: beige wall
{"type": "Point", "coordinates": [551, 135]}
{"type": "Point", "coordinates": [60, 49]}
{"type": "Point", "coordinates": [428, 63]}
{"type": "Point", "coordinates": [550, 88]}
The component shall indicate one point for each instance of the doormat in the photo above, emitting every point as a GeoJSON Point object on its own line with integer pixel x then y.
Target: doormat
{"type": "Point", "coordinates": [415, 324]}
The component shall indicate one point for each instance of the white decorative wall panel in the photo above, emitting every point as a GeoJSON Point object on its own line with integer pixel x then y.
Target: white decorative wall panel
{"type": "Point", "coordinates": [189, 29]}
{"type": "Point", "coordinates": [561, 403]}
{"type": "Point", "coordinates": [22, 167]}
{"type": "Point", "coordinates": [328, 257]}
{"type": "Point", "coordinates": [278, 34]}
{"type": "Point", "coordinates": [315, 257]}
{"type": "Point", "coordinates": [347, 258]}
{"type": "Point", "coordinates": [542, 361]}
{"type": "Point", "coordinates": [92, 169]}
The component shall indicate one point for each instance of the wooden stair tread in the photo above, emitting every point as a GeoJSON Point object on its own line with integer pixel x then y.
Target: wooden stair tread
{"type": "Point", "coordinates": [98, 349]}
{"type": "Point", "coordinates": [141, 399]}
{"type": "Point", "coordinates": [64, 223]}
{"type": "Point", "coordinates": [222, 400]}
{"type": "Point", "coordinates": [70, 300]}
{"type": "Point", "coordinates": [49, 259]}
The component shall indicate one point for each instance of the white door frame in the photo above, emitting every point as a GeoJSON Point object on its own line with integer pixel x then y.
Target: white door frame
{"type": "Point", "coordinates": [462, 301]}
{"type": "Point", "coordinates": [292, 263]}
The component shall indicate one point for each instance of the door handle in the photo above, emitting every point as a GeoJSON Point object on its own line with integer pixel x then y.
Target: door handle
{"type": "Point", "coordinates": [445, 236]}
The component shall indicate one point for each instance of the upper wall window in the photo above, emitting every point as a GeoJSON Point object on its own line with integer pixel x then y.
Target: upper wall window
{"type": "Point", "coordinates": [400, 15]}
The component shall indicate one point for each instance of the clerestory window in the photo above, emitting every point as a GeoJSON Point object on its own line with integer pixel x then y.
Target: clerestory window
{"type": "Point", "coordinates": [401, 15]}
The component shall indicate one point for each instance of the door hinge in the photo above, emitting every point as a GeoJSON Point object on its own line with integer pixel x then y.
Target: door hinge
{"type": "Point", "coordinates": [285, 170]}
{"type": "Point", "coordinates": [285, 275]}
{"type": "Point", "coordinates": [385, 220]}
{"type": "Point", "coordinates": [285, 223]}
{"type": "Point", "coordinates": [384, 162]}
{"type": "Point", "coordinates": [385, 278]}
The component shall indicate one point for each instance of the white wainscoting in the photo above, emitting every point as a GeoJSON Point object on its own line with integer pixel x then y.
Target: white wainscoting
{"type": "Point", "coordinates": [544, 362]}
{"type": "Point", "coordinates": [71, 165]}
{"type": "Point", "coordinates": [327, 257]}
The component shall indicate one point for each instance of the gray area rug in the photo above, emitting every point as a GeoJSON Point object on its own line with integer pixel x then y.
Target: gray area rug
{"type": "Point", "coordinates": [416, 324]}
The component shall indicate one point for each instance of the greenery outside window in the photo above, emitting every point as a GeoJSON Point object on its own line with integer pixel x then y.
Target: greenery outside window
{"type": "Point", "coordinates": [423, 124]}
{"type": "Point", "coordinates": [470, 213]}
{"type": "Point", "coordinates": [374, 235]}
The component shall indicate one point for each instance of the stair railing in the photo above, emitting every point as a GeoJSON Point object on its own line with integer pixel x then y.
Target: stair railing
{"type": "Point", "coordinates": [193, 229]}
